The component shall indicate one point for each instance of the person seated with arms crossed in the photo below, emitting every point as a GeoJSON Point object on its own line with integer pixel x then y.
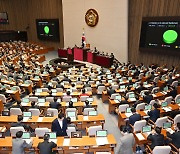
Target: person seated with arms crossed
{"type": "Point", "coordinates": [156, 138]}
{"type": "Point", "coordinates": [175, 137]}
{"type": "Point", "coordinates": [46, 147]}
{"type": "Point", "coordinates": [154, 113]}
{"type": "Point", "coordinates": [59, 125]}
{"type": "Point", "coordinates": [135, 117]}
{"type": "Point", "coordinates": [18, 144]}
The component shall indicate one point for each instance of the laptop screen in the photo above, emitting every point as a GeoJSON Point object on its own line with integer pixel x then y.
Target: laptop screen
{"type": "Point", "coordinates": [54, 90]}
{"type": "Point", "coordinates": [128, 110]}
{"type": "Point", "coordinates": [122, 87]}
{"type": "Point", "coordinates": [145, 83]}
{"type": "Point", "coordinates": [135, 85]}
{"type": "Point", "coordinates": [74, 100]}
{"type": "Point", "coordinates": [146, 129]}
{"type": "Point", "coordinates": [129, 78]}
{"type": "Point", "coordinates": [167, 125]}
{"type": "Point", "coordinates": [25, 100]}
{"type": "Point", "coordinates": [164, 104]}
{"type": "Point", "coordinates": [41, 100]}
{"type": "Point", "coordinates": [13, 88]}
{"type": "Point", "coordinates": [36, 77]}
{"type": "Point", "coordinates": [27, 114]}
{"type": "Point", "coordinates": [101, 133]}
{"type": "Point", "coordinates": [109, 81]}
{"type": "Point", "coordinates": [92, 113]}
{"type": "Point", "coordinates": [118, 97]}
{"type": "Point", "coordinates": [52, 135]}
{"type": "Point", "coordinates": [39, 90]}
{"type": "Point", "coordinates": [148, 107]}
{"type": "Point", "coordinates": [178, 101]}
{"type": "Point", "coordinates": [166, 88]}
{"type": "Point", "coordinates": [26, 135]}
{"type": "Point", "coordinates": [131, 95]}
{"type": "Point", "coordinates": [71, 114]}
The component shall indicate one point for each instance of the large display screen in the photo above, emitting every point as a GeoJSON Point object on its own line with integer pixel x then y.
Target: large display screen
{"type": "Point", "coordinates": [3, 18]}
{"type": "Point", "coordinates": [48, 29]}
{"type": "Point", "coordinates": [160, 33]}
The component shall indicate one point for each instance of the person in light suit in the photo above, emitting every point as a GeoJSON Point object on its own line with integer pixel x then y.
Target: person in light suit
{"type": "Point", "coordinates": [59, 125]}
{"type": "Point", "coordinates": [126, 142]}
{"type": "Point", "coordinates": [18, 144]}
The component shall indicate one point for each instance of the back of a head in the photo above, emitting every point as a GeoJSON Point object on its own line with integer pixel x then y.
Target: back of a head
{"type": "Point", "coordinates": [55, 99]}
{"type": "Point", "coordinates": [20, 118]}
{"type": "Point", "coordinates": [83, 91]}
{"type": "Point", "coordinates": [68, 120]}
{"type": "Point", "coordinates": [33, 103]}
{"type": "Point", "coordinates": [61, 115]}
{"type": "Point", "coordinates": [178, 125]}
{"type": "Point", "coordinates": [19, 134]}
{"type": "Point", "coordinates": [18, 102]}
{"type": "Point", "coordinates": [71, 103]}
{"type": "Point", "coordinates": [68, 93]}
{"type": "Point", "coordinates": [158, 130]}
{"type": "Point", "coordinates": [46, 137]}
{"type": "Point", "coordinates": [87, 102]}
{"type": "Point", "coordinates": [133, 110]}
{"type": "Point", "coordinates": [155, 105]}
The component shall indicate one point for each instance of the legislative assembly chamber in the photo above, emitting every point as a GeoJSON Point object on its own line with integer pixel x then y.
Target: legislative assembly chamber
{"type": "Point", "coordinates": [89, 77]}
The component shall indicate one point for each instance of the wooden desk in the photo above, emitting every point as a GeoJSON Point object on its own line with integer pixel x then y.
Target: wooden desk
{"type": "Point", "coordinates": [14, 94]}
{"type": "Point", "coordinates": [27, 86]}
{"type": "Point", "coordinates": [84, 144]}
{"type": "Point", "coordinates": [36, 121]}
{"type": "Point", "coordinates": [105, 96]}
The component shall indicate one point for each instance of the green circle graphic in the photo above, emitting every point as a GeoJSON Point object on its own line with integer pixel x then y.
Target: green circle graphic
{"type": "Point", "coordinates": [46, 29]}
{"type": "Point", "coordinates": [170, 36]}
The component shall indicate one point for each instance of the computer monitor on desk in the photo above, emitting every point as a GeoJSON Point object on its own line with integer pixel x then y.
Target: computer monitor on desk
{"type": "Point", "coordinates": [164, 104]}
{"type": "Point", "coordinates": [77, 134]}
{"type": "Point", "coordinates": [128, 110]}
{"type": "Point", "coordinates": [167, 125]}
{"type": "Point", "coordinates": [101, 133]}
{"type": "Point", "coordinates": [92, 113]}
{"type": "Point", "coordinates": [146, 129]}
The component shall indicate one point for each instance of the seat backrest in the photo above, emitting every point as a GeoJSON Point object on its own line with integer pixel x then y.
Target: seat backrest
{"type": "Point", "coordinates": [91, 82]}
{"type": "Point", "coordinates": [70, 130]}
{"type": "Point", "coordinates": [66, 99]}
{"type": "Point", "coordinates": [59, 89]}
{"type": "Point", "coordinates": [177, 119]}
{"type": "Point", "coordinates": [156, 79]}
{"type": "Point", "coordinates": [92, 130]}
{"type": "Point", "coordinates": [14, 130]}
{"type": "Point", "coordinates": [174, 84]}
{"type": "Point", "coordinates": [15, 111]}
{"type": "Point", "coordinates": [83, 98]}
{"type": "Point", "coordinates": [154, 90]}
{"type": "Point", "coordinates": [140, 106]}
{"type": "Point", "coordinates": [39, 132]}
{"type": "Point", "coordinates": [88, 89]}
{"type": "Point", "coordinates": [33, 99]}
{"type": "Point", "coordinates": [71, 109]}
{"type": "Point", "coordinates": [45, 89]}
{"type": "Point", "coordinates": [141, 76]}
{"type": "Point", "coordinates": [122, 108]}
{"type": "Point", "coordinates": [139, 124]}
{"type": "Point", "coordinates": [86, 110]}
{"type": "Point", "coordinates": [49, 99]}
{"type": "Point", "coordinates": [177, 97]}
{"type": "Point", "coordinates": [161, 150]}
{"type": "Point", "coordinates": [35, 112]}
{"type": "Point", "coordinates": [168, 99]}
{"type": "Point", "coordinates": [100, 89]}
{"type": "Point", "coordinates": [152, 102]}
{"type": "Point", "coordinates": [128, 93]}
{"type": "Point", "coordinates": [115, 87]}
{"type": "Point", "coordinates": [54, 111]}
{"type": "Point", "coordinates": [159, 122]}
{"type": "Point", "coordinates": [3, 98]}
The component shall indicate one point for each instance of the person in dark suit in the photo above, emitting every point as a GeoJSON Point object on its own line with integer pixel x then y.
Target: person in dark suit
{"type": "Point", "coordinates": [148, 97]}
{"type": "Point", "coordinates": [19, 123]}
{"type": "Point", "coordinates": [66, 79]}
{"type": "Point", "coordinates": [135, 117]}
{"type": "Point", "coordinates": [46, 147]}
{"type": "Point", "coordinates": [87, 105]}
{"type": "Point", "coordinates": [155, 113]}
{"type": "Point", "coordinates": [87, 84]}
{"type": "Point", "coordinates": [59, 125]}
{"type": "Point", "coordinates": [33, 105]}
{"type": "Point", "coordinates": [110, 91]}
{"type": "Point", "coordinates": [55, 104]}
{"type": "Point", "coordinates": [173, 92]}
{"type": "Point", "coordinates": [140, 88]}
{"type": "Point", "coordinates": [156, 138]}
{"type": "Point", "coordinates": [175, 136]}
{"type": "Point", "coordinates": [59, 85]}
{"type": "Point", "coordinates": [18, 144]}
{"type": "Point", "coordinates": [100, 84]}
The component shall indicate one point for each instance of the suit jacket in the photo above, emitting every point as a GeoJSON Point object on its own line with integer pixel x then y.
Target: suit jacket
{"type": "Point", "coordinates": [18, 146]}
{"type": "Point", "coordinates": [147, 98]}
{"type": "Point", "coordinates": [110, 92]}
{"type": "Point", "coordinates": [46, 147]}
{"type": "Point", "coordinates": [175, 138]}
{"type": "Point", "coordinates": [126, 144]}
{"type": "Point", "coordinates": [154, 114]}
{"type": "Point", "coordinates": [54, 105]}
{"type": "Point", "coordinates": [173, 93]}
{"type": "Point", "coordinates": [57, 128]}
{"type": "Point", "coordinates": [133, 118]}
{"type": "Point", "coordinates": [156, 139]}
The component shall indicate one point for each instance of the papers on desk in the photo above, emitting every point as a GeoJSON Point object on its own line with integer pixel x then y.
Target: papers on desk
{"type": "Point", "coordinates": [170, 130]}
{"type": "Point", "coordinates": [167, 109]}
{"type": "Point", "coordinates": [40, 119]}
{"type": "Point", "coordinates": [41, 104]}
{"type": "Point", "coordinates": [116, 101]}
{"type": "Point", "coordinates": [24, 104]}
{"type": "Point", "coordinates": [66, 142]}
{"type": "Point", "coordinates": [28, 141]}
{"type": "Point", "coordinates": [132, 99]}
{"type": "Point", "coordinates": [9, 91]}
{"type": "Point", "coordinates": [163, 92]}
{"type": "Point", "coordinates": [85, 118]}
{"type": "Point", "coordinates": [128, 114]}
{"type": "Point", "coordinates": [140, 136]}
{"type": "Point", "coordinates": [101, 140]}
{"type": "Point", "coordinates": [147, 86]}
{"type": "Point", "coordinates": [53, 140]}
{"type": "Point", "coordinates": [25, 119]}
{"type": "Point", "coordinates": [37, 93]}
{"type": "Point", "coordinates": [153, 95]}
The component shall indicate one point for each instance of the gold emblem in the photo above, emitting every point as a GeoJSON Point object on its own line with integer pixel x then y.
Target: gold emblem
{"type": "Point", "coordinates": [91, 17]}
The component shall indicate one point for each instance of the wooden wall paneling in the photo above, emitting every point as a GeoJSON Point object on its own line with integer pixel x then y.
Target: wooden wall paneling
{"type": "Point", "coordinates": [148, 8]}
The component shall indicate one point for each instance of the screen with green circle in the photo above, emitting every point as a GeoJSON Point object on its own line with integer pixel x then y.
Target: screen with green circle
{"type": "Point", "coordinates": [170, 36]}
